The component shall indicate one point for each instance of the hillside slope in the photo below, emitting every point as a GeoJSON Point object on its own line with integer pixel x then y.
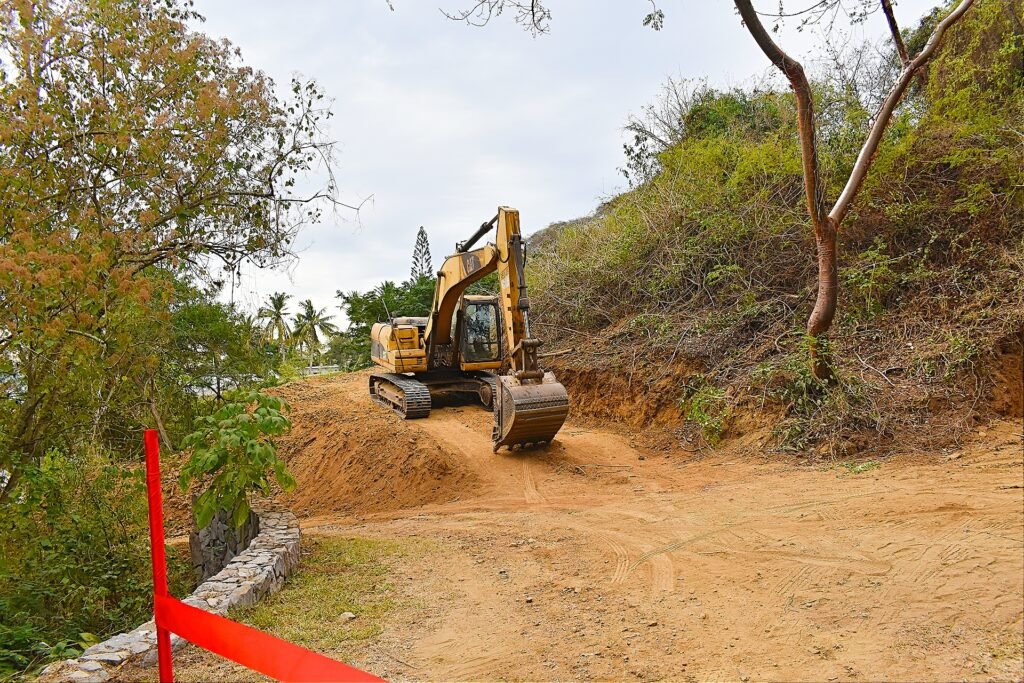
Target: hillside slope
{"type": "Point", "coordinates": [684, 300]}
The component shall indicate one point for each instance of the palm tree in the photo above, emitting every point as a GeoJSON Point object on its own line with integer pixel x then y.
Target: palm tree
{"type": "Point", "coordinates": [275, 315]}
{"type": "Point", "coordinates": [250, 330]}
{"type": "Point", "coordinates": [310, 324]}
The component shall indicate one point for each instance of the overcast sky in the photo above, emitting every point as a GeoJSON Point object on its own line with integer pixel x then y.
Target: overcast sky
{"type": "Point", "coordinates": [441, 122]}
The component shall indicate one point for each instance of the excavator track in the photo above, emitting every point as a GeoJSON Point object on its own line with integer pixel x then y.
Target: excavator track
{"type": "Point", "coordinates": [409, 398]}
{"type": "Point", "coordinates": [492, 382]}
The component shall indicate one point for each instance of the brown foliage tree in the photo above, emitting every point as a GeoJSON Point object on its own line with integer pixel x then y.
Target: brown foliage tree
{"type": "Point", "coordinates": [131, 147]}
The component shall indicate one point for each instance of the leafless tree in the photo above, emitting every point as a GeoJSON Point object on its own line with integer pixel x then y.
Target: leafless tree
{"type": "Point", "coordinates": [533, 15]}
{"type": "Point", "coordinates": [825, 219]}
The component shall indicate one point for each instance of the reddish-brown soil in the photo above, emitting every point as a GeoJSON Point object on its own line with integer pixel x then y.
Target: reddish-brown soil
{"type": "Point", "coordinates": [349, 456]}
{"type": "Point", "coordinates": [602, 559]}
{"type": "Point", "coordinates": [1007, 394]}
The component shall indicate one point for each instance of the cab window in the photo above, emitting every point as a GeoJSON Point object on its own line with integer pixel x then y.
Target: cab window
{"type": "Point", "coordinates": [480, 334]}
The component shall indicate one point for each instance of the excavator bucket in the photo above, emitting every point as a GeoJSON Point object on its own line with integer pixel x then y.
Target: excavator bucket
{"type": "Point", "coordinates": [528, 412]}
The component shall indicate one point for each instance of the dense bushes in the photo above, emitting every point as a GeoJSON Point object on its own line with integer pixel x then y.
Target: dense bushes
{"type": "Point", "coordinates": [74, 563]}
{"type": "Point", "coordinates": [351, 349]}
{"type": "Point", "coordinates": [709, 262]}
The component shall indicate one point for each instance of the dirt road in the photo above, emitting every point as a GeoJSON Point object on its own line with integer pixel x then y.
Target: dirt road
{"type": "Point", "coordinates": [598, 559]}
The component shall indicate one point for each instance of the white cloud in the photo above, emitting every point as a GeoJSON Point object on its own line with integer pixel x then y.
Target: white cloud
{"type": "Point", "coordinates": [441, 122]}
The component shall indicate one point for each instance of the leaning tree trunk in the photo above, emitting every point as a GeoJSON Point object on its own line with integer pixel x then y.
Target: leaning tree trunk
{"type": "Point", "coordinates": [825, 229]}
{"type": "Point", "coordinates": [826, 225]}
{"type": "Point", "coordinates": [824, 310]}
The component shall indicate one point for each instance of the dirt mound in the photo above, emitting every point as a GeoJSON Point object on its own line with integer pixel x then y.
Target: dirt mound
{"type": "Point", "coordinates": [350, 455]}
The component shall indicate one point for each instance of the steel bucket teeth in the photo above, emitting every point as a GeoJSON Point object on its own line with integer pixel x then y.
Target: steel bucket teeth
{"type": "Point", "coordinates": [528, 413]}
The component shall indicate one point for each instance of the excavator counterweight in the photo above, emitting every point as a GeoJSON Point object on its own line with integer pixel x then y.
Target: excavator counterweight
{"type": "Point", "coordinates": [470, 343]}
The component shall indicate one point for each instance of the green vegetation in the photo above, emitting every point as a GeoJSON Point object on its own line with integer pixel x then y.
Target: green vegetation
{"type": "Point", "coordinates": [311, 328]}
{"type": "Point", "coordinates": [817, 416]}
{"type": "Point", "coordinates": [274, 315]}
{"type": "Point", "coordinates": [73, 560]}
{"type": "Point", "coordinates": [92, 251]}
{"type": "Point", "coordinates": [351, 348]}
{"type": "Point", "coordinates": [234, 448]}
{"type": "Point", "coordinates": [707, 407]}
{"type": "Point", "coordinates": [422, 261]}
{"type": "Point", "coordinates": [871, 281]}
{"type": "Point", "coordinates": [338, 575]}
{"type": "Point", "coordinates": [861, 467]}
{"type": "Point", "coordinates": [114, 227]}
{"type": "Point", "coordinates": [703, 264]}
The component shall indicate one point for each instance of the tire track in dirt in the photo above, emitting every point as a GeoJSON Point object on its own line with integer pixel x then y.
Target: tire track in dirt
{"type": "Point", "coordinates": [530, 492]}
{"type": "Point", "coordinates": [663, 574]}
{"type": "Point", "coordinates": [472, 663]}
{"type": "Point", "coordinates": [678, 545]}
{"type": "Point", "coordinates": [621, 557]}
{"type": "Point", "coordinates": [859, 565]}
{"type": "Point", "coordinates": [662, 570]}
{"type": "Point", "coordinates": [828, 502]}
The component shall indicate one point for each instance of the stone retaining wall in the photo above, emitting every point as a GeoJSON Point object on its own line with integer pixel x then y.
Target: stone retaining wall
{"type": "Point", "coordinates": [257, 572]}
{"type": "Point", "coordinates": [213, 546]}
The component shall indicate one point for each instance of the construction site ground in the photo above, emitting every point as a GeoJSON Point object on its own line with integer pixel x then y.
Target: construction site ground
{"type": "Point", "coordinates": [599, 558]}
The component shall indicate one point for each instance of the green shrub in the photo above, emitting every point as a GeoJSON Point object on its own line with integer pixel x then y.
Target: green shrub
{"type": "Point", "coordinates": [74, 559]}
{"type": "Point", "coordinates": [815, 413]}
{"type": "Point", "coordinates": [654, 326]}
{"type": "Point", "coordinates": [961, 351]}
{"type": "Point", "coordinates": [234, 447]}
{"type": "Point", "coordinates": [707, 407]}
{"type": "Point", "coordinates": [871, 280]}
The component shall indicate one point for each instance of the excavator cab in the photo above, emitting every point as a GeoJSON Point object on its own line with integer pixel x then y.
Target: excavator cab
{"type": "Point", "coordinates": [478, 329]}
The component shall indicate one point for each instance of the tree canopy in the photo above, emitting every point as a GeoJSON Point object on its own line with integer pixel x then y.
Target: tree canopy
{"type": "Point", "coordinates": [129, 145]}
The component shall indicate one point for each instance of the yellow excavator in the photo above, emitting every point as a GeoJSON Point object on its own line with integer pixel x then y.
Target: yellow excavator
{"type": "Point", "coordinates": [473, 344]}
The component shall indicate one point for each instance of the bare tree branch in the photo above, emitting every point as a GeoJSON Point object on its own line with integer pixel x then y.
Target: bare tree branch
{"type": "Point", "coordinates": [533, 15]}
{"type": "Point", "coordinates": [881, 121]}
{"type": "Point", "coordinates": [793, 71]}
{"type": "Point", "coordinates": [87, 336]}
{"type": "Point", "coordinates": [894, 29]}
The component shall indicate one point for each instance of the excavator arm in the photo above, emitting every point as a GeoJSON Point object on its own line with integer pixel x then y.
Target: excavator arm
{"type": "Point", "coordinates": [531, 405]}
{"type": "Point", "coordinates": [515, 303]}
{"type": "Point", "coordinates": [456, 275]}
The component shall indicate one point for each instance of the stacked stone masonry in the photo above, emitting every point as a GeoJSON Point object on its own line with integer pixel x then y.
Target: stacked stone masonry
{"type": "Point", "coordinates": [255, 573]}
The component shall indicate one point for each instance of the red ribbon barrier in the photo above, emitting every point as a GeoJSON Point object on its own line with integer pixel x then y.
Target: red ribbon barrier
{"type": "Point", "coordinates": [157, 550]}
{"type": "Point", "coordinates": [252, 648]}
{"type": "Point", "coordinates": [249, 647]}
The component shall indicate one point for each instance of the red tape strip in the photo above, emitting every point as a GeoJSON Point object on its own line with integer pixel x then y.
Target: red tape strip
{"type": "Point", "coordinates": [255, 649]}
